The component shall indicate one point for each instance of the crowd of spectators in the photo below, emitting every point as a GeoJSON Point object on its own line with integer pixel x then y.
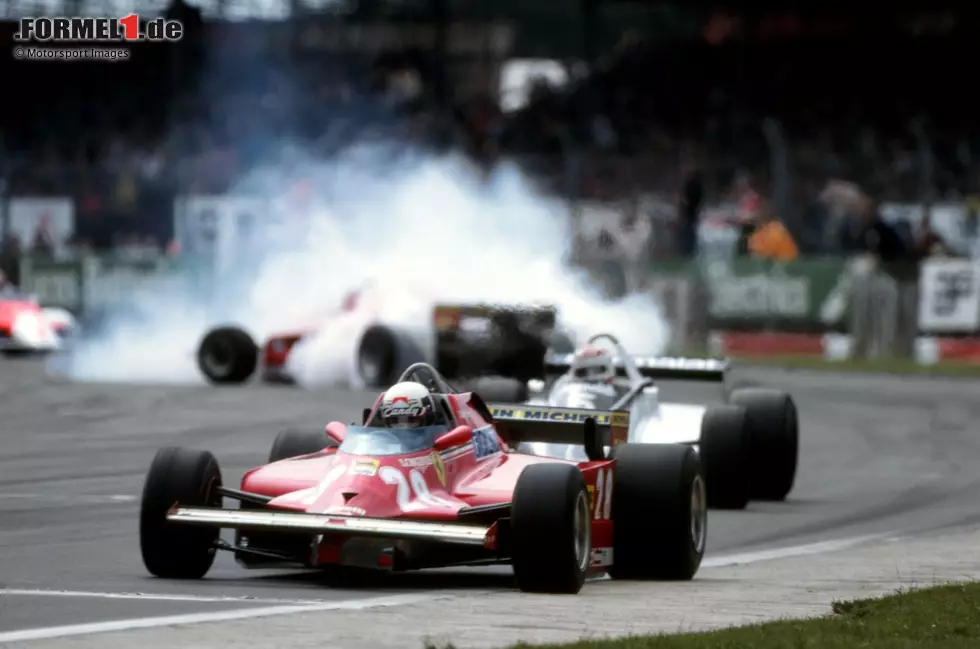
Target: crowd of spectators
{"type": "Point", "coordinates": [769, 128]}
{"type": "Point", "coordinates": [683, 123]}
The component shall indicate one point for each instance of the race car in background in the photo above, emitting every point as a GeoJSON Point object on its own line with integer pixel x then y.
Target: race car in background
{"type": "Point", "coordinates": [27, 328]}
{"type": "Point", "coordinates": [448, 493]}
{"type": "Point", "coordinates": [461, 341]}
{"type": "Point", "coordinates": [748, 447]}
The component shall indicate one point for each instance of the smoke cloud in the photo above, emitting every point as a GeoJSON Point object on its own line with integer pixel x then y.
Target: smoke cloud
{"type": "Point", "coordinates": [420, 228]}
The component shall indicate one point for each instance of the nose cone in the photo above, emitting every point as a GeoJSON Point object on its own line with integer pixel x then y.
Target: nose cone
{"type": "Point", "coordinates": [360, 491]}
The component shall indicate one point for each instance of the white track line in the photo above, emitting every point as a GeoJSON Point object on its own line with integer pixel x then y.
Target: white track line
{"type": "Point", "coordinates": [820, 547]}
{"type": "Point", "coordinates": [288, 607]}
{"type": "Point", "coordinates": [157, 597]}
{"type": "Point", "coordinates": [217, 616]}
{"type": "Point", "coordinates": [91, 499]}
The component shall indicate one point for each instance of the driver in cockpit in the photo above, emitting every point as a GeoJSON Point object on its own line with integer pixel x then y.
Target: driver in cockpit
{"type": "Point", "coordinates": [407, 405]}
{"type": "Point", "coordinates": [593, 364]}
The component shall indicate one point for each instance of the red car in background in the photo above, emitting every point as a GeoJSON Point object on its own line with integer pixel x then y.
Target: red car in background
{"type": "Point", "coordinates": [27, 327]}
{"type": "Point", "coordinates": [453, 494]}
{"type": "Point", "coordinates": [382, 331]}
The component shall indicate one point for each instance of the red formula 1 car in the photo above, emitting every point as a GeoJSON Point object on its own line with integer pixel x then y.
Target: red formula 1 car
{"type": "Point", "coordinates": [453, 494]}
{"type": "Point", "coordinates": [27, 327]}
{"type": "Point", "coordinates": [378, 331]}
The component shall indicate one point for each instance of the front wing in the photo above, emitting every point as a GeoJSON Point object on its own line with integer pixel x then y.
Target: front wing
{"type": "Point", "coordinates": [280, 521]}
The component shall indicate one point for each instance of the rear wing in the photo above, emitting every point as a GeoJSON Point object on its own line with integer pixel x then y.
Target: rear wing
{"type": "Point", "coordinates": [656, 367]}
{"type": "Point", "coordinates": [473, 340]}
{"type": "Point", "coordinates": [549, 425]}
{"type": "Point", "coordinates": [450, 317]}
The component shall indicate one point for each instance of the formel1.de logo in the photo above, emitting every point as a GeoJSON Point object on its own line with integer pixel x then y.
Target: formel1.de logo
{"type": "Point", "coordinates": [78, 29]}
{"type": "Point", "coordinates": [89, 38]}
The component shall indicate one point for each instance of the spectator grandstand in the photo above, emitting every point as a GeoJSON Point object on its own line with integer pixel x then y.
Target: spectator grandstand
{"type": "Point", "coordinates": [768, 106]}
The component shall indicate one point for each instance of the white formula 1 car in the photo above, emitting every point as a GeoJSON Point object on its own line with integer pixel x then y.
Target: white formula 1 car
{"type": "Point", "coordinates": [748, 448]}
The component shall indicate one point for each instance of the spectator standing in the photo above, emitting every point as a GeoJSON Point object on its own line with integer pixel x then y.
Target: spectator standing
{"type": "Point", "coordinates": [10, 252]}
{"type": "Point", "coordinates": [928, 242]}
{"type": "Point", "coordinates": [689, 212]}
{"type": "Point", "coordinates": [970, 224]}
{"type": "Point", "coordinates": [771, 240]}
{"type": "Point", "coordinates": [747, 205]}
{"type": "Point", "coordinates": [867, 233]}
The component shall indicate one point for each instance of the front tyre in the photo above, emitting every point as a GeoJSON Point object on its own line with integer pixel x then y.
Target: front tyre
{"type": "Point", "coordinates": [659, 510]}
{"type": "Point", "coordinates": [294, 443]}
{"type": "Point", "coordinates": [190, 478]}
{"type": "Point", "coordinates": [551, 529]}
{"type": "Point", "coordinates": [774, 440]}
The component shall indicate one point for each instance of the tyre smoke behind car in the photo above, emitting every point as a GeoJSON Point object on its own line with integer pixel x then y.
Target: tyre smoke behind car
{"type": "Point", "coordinates": [419, 228]}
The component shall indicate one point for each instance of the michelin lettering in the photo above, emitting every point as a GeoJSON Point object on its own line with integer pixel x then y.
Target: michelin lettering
{"type": "Point", "coordinates": [562, 416]}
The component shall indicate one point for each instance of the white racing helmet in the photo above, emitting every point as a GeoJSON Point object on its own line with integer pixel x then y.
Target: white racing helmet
{"type": "Point", "coordinates": [407, 405]}
{"type": "Point", "coordinates": [592, 363]}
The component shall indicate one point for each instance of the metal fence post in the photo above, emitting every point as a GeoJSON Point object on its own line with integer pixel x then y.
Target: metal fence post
{"type": "Point", "coordinates": [862, 273]}
{"type": "Point", "coordinates": [884, 313]}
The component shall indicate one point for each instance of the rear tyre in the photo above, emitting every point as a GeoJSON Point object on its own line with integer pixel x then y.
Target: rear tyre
{"type": "Point", "coordinates": [659, 511]}
{"type": "Point", "coordinates": [293, 443]}
{"type": "Point", "coordinates": [190, 478]}
{"type": "Point", "coordinates": [227, 356]}
{"type": "Point", "coordinates": [551, 529]}
{"type": "Point", "coordinates": [724, 450]}
{"type": "Point", "coordinates": [774, 440]}
{"type": "Point", "coordinates": [20, 353]}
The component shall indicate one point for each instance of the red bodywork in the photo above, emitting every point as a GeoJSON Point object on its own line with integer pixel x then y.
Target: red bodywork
{"type": "Point", "coordinates": [276, 349]}
{"type": "Point", "coordinates": [12, 308]}
{"type": "Point", "coordinates": [429, 485]}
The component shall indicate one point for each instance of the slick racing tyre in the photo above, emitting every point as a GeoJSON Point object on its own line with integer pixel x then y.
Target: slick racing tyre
{"type": "Point", "coordinates": [227, 356]}
{"type": "Point", "coordinates": [774, 440]}
{"type": "Point", "coordinates": [293, 443]}
{"type": "Point", "coordinates": [377, 357]}
{"type": "Point", "coordinates": [178, 475]}
{"type": "Point", "coordinates": [660, 512]}
{"type": "Point", "coordinates": [724, 449]}
{"type": "Point", "coordinates": [551, 529]}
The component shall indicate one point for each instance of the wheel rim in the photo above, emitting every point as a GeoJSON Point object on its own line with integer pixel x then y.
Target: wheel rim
{"type": "Point", "coordinates": [218, 359]}
{"type": "Point", "coordinates": [369, 365]}
{"type": "Point", "coordinates": [699, 514]}
{"type": "Point", "coordinates": [583, 532]}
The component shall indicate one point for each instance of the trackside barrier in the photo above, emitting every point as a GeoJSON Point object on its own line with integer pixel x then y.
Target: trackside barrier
{"type": "Point", "coordinates": [880, 310]}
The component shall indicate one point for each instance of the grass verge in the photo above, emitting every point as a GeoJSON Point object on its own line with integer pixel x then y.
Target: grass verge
{"type": "Point", "coordinates": [944, 617]}
{"type": "Point", "coordinates": [871, 365]}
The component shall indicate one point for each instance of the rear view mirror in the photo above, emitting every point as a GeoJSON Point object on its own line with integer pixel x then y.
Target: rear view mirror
{"type": "Point", "coordinates": [337, 432]}
{"type": "Point", "coordinates": [456, 437]}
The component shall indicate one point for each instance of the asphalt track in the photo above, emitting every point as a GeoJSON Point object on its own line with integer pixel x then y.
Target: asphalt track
{"type": "Point", "coordinates": [879, 455]}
